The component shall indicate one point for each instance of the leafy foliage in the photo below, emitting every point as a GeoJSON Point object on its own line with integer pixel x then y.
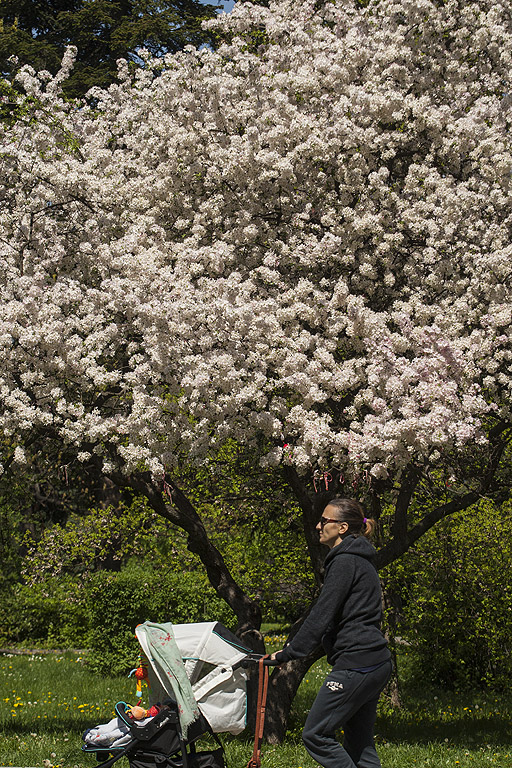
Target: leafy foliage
{"type": "Point", "coordinates": [102, 539]}
{"type": "Point", "coordinates": [269, 558]}
{"type": "Point", "coordinates": [119, 603]}
{"type": "Point", "coordinates": [10, 541]}
{"type": "Point", "coordinates": [102, 612]}
{"type": "Point", "coordinates": [36, 32]}
{"type": "Point", "coordinates": [456, 593]}
{"type": "Point", "coordinates": [49, 614]}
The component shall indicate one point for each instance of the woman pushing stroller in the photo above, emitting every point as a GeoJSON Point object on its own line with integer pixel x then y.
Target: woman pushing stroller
{"type": "Point", "coordinates": [346, 620]}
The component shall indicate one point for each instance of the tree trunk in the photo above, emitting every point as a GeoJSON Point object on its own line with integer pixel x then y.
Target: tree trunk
{"type": "Point", "coordinates": [391, 610]}
{"type": "Point", "coordinates": [392, 690]}
{"type": "Point", "coordinates": [283, 685]}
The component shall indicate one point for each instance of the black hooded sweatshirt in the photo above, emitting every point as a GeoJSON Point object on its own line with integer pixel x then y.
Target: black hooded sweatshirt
{"type": "Point", "coordinates": [346, 617]}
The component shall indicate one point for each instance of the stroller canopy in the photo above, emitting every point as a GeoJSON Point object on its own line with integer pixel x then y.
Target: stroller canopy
{"type": "Point", "coordinates": [198, 665]}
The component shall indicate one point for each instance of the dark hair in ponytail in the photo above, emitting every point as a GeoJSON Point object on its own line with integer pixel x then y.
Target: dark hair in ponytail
{"type": "Point", "coordinates": [352, 512]}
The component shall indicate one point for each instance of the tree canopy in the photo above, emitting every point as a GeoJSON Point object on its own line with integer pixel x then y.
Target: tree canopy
{"type": "Point", "coordinates": [299, 242]}
{"type": "Point", "coordinates": [315, 257]}
{"type": "Point", "coordinates": [37, 32]}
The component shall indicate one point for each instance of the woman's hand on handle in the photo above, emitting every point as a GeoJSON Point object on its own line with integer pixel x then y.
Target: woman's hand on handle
{"type": "Point", "coordinates": [271, 660]}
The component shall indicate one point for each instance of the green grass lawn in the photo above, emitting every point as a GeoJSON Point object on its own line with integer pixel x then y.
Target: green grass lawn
{"type": "Point", "coordinates": [49, 700]}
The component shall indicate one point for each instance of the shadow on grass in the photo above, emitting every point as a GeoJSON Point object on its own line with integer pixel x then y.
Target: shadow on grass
{"type": "Point", "coordinates": [460, 719]}
{"type": "Point", "coordinates": [460, 731]}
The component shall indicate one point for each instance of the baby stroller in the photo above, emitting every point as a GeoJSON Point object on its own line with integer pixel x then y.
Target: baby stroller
{"type": "Point", "coordinates": [196, 675]}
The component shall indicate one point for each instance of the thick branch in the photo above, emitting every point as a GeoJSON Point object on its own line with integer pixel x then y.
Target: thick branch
{"type": "Point", "coordinates": [182, 513]}
{"type": "Point", "coordinates": [316, 550]}
{"type": "Point", "coordinates": [397, 546]}
{"type": "Point", "coordinates": [403, 537]}
{"type": "Point", "coordinates": [409, 484]}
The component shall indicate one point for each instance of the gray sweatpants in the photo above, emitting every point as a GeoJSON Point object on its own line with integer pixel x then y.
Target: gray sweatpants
{"type": "Point", "coordinates": [347, 700]}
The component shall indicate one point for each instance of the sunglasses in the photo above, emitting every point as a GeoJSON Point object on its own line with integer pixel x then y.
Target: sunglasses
{"type": "Point", "coordinates": [325, 520]}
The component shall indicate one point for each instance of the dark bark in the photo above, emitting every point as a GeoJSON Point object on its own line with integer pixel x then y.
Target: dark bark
{"type": "Point", "coordinates": [317, 551]}
{"type": "Point", "coordinates": [411, 478]}
{"type": "Point", "coordinates": [398, 546]}
{"type": "Point", "coordinates": [283, 685]}
{"type": "Point", "coordinates": [180, 511]}
{"type": "Point", "coordinates": [392, 690]}
{"type": "Point", "coordinates": [404, 536]}
{"type": "Point", "coordinates": [391, 606]}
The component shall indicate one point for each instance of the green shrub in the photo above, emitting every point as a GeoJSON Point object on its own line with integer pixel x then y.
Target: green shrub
{"type": "Point", "coordinates": [117, 602]}
{"type": "Point", "coordinates": [102, 612]}
{"type": "Point", "coordinates": [50, 613]}
{"type": "Point", "coordinates": [100, 539]}
{"type": "Point", "coordinates": [456, 590]}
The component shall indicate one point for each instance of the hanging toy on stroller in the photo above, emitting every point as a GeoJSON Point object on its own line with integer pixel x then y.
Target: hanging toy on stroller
{"type": "Point", "coordinates": [197, 686]}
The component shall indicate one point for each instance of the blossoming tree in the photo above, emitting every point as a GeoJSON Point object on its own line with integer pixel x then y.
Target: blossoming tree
{"type": "Point", "coordinates": [299, 241]}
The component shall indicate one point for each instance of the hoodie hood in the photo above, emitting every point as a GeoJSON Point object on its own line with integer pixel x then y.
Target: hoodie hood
{"type": "Point", "coordinates": [352, 545]}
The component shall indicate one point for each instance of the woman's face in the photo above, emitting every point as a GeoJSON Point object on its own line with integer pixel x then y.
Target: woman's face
{"type": "Point", "coordinates": [330, 530]}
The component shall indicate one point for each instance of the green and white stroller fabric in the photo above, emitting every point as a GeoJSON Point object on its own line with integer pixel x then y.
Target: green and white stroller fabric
{"type": "Point", "coordinates": [198, 665]}
{"type": "Point", "coordinates": [159, 645]}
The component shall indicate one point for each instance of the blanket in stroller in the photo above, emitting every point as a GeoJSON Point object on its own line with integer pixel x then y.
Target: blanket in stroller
{"type": "Point", "coordinates": [115, 733]}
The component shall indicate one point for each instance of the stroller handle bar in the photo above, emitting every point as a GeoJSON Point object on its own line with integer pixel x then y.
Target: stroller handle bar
{"type": "Point", "coordinates": [254, 658]}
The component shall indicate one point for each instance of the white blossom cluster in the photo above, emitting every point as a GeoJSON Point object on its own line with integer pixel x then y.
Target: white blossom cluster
{"type": "Point", "coordinates": [301, 240]}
